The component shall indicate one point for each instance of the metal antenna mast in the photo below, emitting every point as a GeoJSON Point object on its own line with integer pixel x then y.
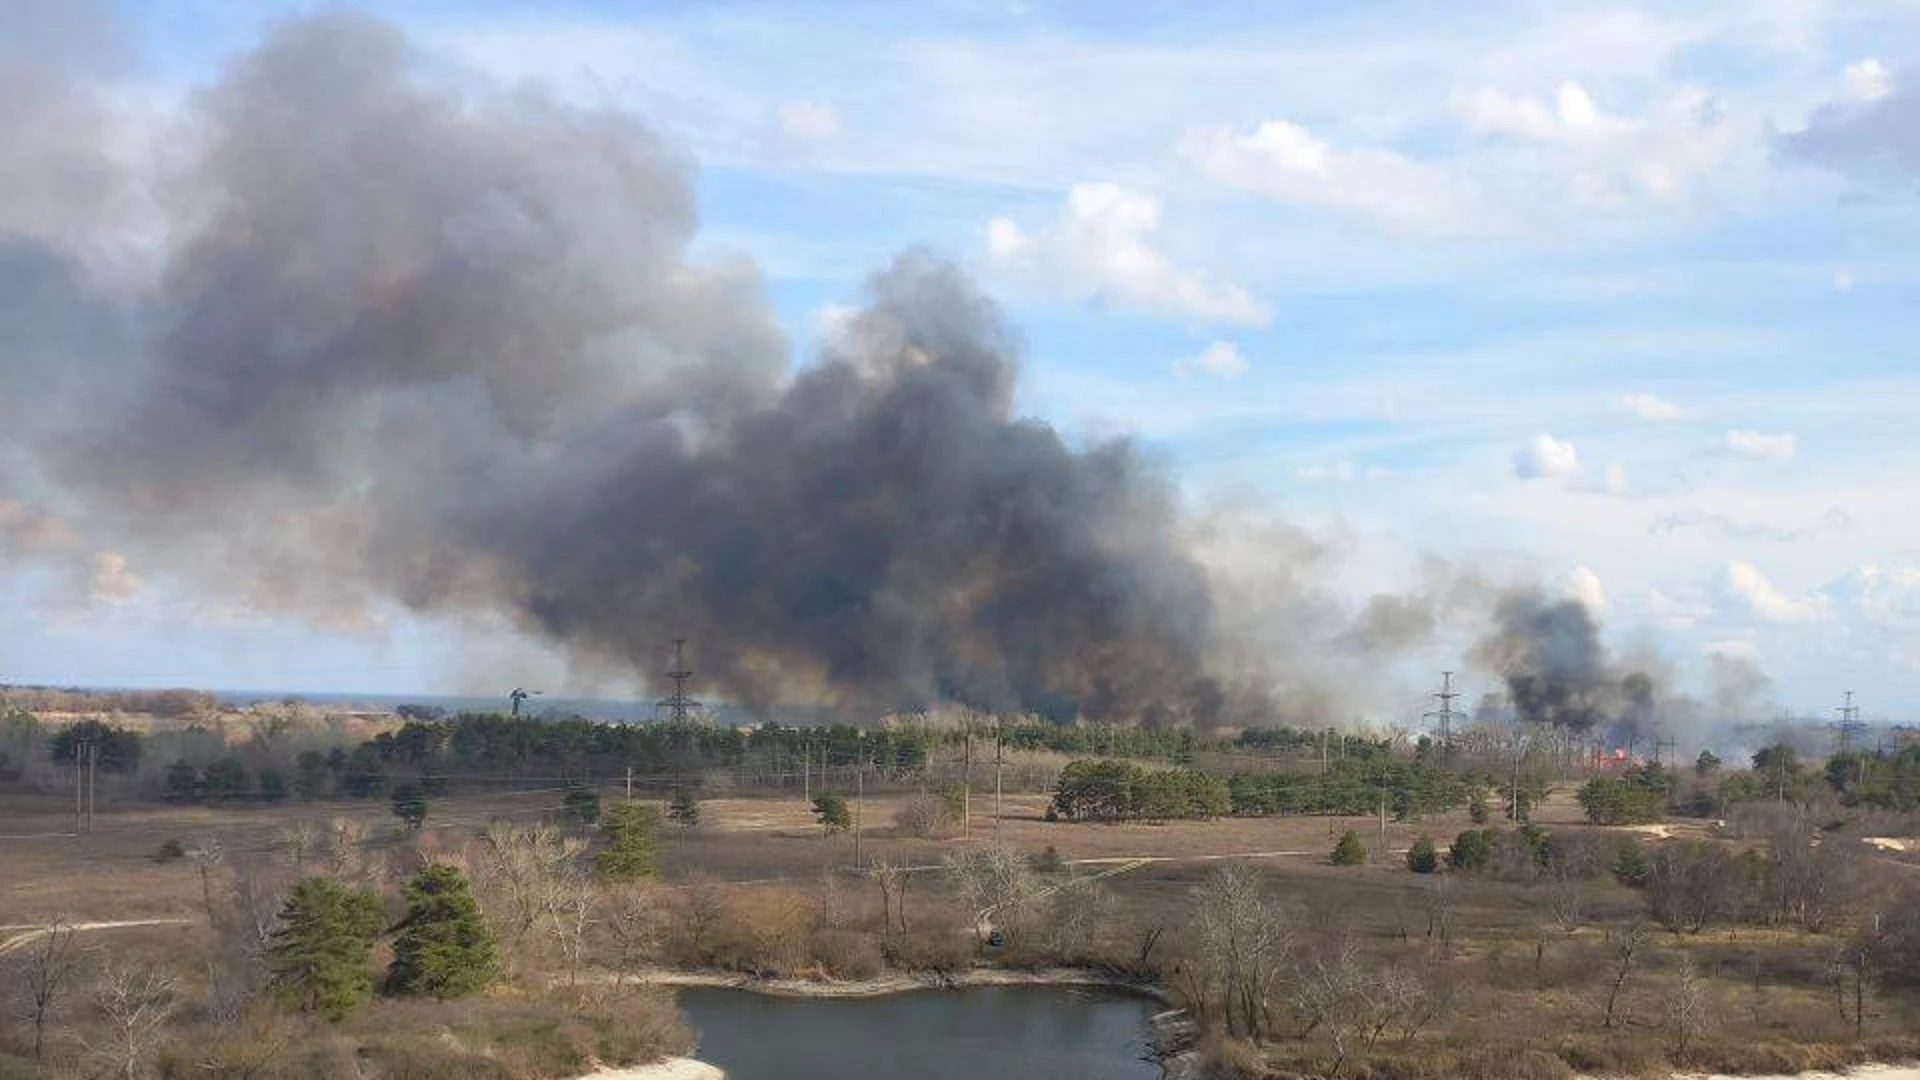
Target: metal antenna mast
{"type": "Point", "coordinates": [679, 706]}
{"type": "Point", "coordinates": [1446, 713]}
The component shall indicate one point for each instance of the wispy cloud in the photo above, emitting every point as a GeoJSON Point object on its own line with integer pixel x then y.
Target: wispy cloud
{"type": "Point", "coordinates": [1651, 408]}
{"type": "Point", "coordinates": [1220, 360]}
{"type": "Point", "coordinates": [1755, 444]}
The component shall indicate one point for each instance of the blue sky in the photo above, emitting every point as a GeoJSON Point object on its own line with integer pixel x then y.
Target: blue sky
{"type": "Point", "coordinates": [1542, 286]}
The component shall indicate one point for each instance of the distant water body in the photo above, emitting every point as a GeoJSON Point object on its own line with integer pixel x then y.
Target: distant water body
{"type": "Point", "coordinates": [603, 709]}
{"type": "Point", "coordinates": [1030, 1032]}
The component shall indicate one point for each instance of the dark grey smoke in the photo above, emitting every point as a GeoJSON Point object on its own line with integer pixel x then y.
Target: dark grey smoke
{"type": "Point", "coordinates": [1559, 673]}
{"type": "Point", "coordinates": [447, 347]}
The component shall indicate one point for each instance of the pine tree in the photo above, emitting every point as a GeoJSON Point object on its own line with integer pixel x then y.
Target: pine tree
{"type": "Point", "coordinates": [582, 804]}
{"type": "Point", "coordinates": [410, 804]}
{"type": "Point", "coordinates": [317, 958]}
{"type": "Point", "coordinates": [831, 812]}
{"type": "Point", "coordinates": [631, 830]}
{"type": "Point", "coordinates": [1423, 857]}
{"type": "Point", "coordinates": [684, 810]}
{"type": "Point", "coordinates": [1350, 851]}
{"type": "Point", "coordinates": [444, 948]}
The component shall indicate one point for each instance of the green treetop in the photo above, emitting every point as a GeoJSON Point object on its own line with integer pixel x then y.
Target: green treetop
{"type": "Point", "coordinates": [444, 948]}
{"type": "Point", "coordinates": [317, 954]}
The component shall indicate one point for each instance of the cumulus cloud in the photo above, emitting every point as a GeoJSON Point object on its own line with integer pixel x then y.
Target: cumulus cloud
{"type": "Point", "coordinates": [1104, 248]}
{"type": "Point", "coordinates": [1754, 444]}
{"type": "Point", "coordinates": [1651, 408]}
{"type": "Point", "coordinates": [1868, 80]}
{"type": "Point", "coordinates": [1285, 163]}
{"type": "Point", "coordinates": [1220, 360]}
{"type": "Point", "coordinates": [1546, 457]}
{"type": "Point", "coordinates": [1750, 587]}
{"type": "Point", "coordinates": [808, 121]}
{"type": "Point", "coordinates": [1584, 585]}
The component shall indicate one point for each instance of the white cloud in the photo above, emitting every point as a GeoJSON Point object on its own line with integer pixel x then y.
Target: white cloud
{"type": "Point", "coordinates": [1867, 80]}
{"type": "Point", "coordinates": [1220, 360]}
{"type": "Point", "coordinates": [113, 581]}
{"type": "Point", "coordinates": [1756, 445]}
{"type": "Point", "coordinates": [1571, 114]}
{"type": "Point", "coordinates": [1584, 585]}
{"type": "Point", "coordinates": [1005, 240]}
{"type": "Point", "coordinates": [1651, 408]}
{"type": "Point", "coordinates": [1545, 457]}
{"type": "Point", "coordinates": [1843, 280]}
{"type": "Point", "coordinates": [832, 323]}
{"type": "Point", "coordinates": [1608, 160]}
{"type": "Point", "coordinates": [1284, 162]}
{"type": "Point", "coordinates": [808, 121]}
{"type": "Point", "coordinates": [1104, 248]}
{"type": "Point", "coordinates": [1751, 587]}
{"type": "Point", "coordinates": [1340, 471]}
{"type": "Point", "coordinates": [1616, 480]}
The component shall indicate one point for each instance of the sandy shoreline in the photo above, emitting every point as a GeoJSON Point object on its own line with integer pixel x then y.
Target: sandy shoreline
{"type": "Point", "coordinates": [894, 984]}
{"type": "Point", "coordinates": [1864, 1072]}
{"type": "Point", "coordinates": [670, 1069]}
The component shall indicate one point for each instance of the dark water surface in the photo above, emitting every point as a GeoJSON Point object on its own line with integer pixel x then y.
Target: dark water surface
{"type": "Point", "coordinates": [1029, 1032]}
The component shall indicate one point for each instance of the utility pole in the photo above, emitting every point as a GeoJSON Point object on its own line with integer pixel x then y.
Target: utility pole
{"type": "Point", "coordinates": [93, 757]}
{"type": "Point", "coordinates": [1445, 714]}
{"type": "Point", "coordinates": [859, 805]}
{"type": "Point", "coordinates": [79, 793]}
{"type": "Point", "coordinates": [998, 745]}
{"type": "Point", "coordinates": [518, 696]}
{"type": "Point", "coordinates": [629, 783]}
{"type": "Point", "coordinates": [966, 779]}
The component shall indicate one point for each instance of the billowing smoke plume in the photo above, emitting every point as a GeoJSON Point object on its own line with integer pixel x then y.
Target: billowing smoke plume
{"type": "Point", "coordinates": [1559, 673]}
{"type": "Point", "coordinates": [447, 346]}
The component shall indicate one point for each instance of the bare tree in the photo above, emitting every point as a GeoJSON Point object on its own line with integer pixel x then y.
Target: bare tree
{"type": "Point", "coordinates": [301, 842]}
{"type": "Point", "coordinates": [1076, 909]}
{"type": "Point", "coordinates": [633, 922]}
{"type": "Point", "coordinates": [997, 886]}
{"type": "Point", "coordinates": [530, 877]}
{"type": "Point", "coordinates": [48, 963]}
{"type": "Point", "coordinates": [1623, 948]}
{"type": "Point", "coordinates": [892, 879]}
{"type": "Point", "coordinates": [1850, 972]}
{"type": "Point", "coordinates": [1243, 937]}
{"type": "Point", "coordinates": [1687, 1006]}
{"type": "Point", "coordinates": [136, 1004]}
{"type": "Point", "coordinates": [1440, 902]}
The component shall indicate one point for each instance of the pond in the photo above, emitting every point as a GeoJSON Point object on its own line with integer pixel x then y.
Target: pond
{"type": "Point", "coordinates": [1033, 1032]}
